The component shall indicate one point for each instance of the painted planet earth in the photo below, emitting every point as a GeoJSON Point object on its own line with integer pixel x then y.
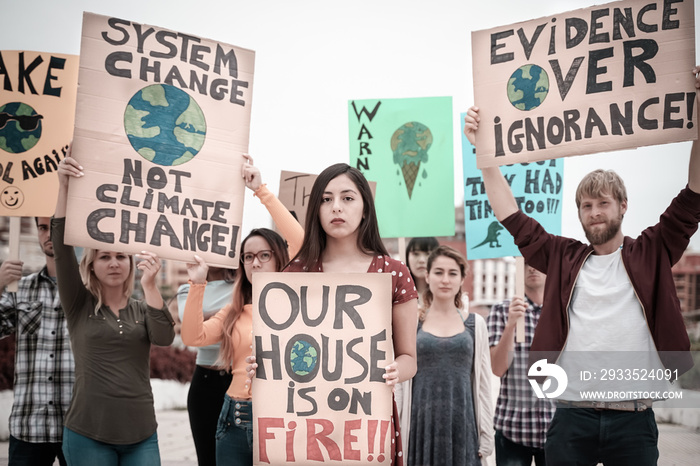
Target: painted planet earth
{"type": "Point", "coordinates": [528, 87]}
{"type": "Point", "coordinates": [303, 357]}
{"type": "Point", "coordinates": [20, 127]}
{"type": "Point", "coordinates": [165, 125]}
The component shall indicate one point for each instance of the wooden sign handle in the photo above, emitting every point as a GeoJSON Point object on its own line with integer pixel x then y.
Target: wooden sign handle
{"type": "Point", "coordinates": [402, 250]}
{"type": "Point", "coordinates": [520, 291]}
{"type": "Point", "coordinates": [15, 224]}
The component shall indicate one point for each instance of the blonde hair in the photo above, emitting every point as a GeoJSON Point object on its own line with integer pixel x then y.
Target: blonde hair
{"type": "Point", "coordinates": [445, 251]}
{"type": "Point", "coordinates": [600, 182]}
{"type": "Point", "coordinates": [93, 284]}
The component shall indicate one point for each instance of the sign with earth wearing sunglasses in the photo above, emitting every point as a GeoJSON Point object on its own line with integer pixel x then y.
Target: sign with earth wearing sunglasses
{"type": "Point", "coordinates": [37, 108]}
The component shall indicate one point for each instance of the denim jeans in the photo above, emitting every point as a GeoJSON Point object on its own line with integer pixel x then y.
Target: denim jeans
{"type": "Point", "coordinates": [83, 451]}
{"type": "Point", "coordinates": [586, 436]}
{"type": "Point", "coordinates": [509, 453]}
{"type": "Point", "coordinates": [34, 454]}
{"type": "Point", "coordinates": [234, 434]}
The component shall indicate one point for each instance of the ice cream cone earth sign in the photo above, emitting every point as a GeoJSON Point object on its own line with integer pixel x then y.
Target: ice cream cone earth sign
{"type": "Point", "coordinates": [410, 144]}
{"type": "Point", "coordinates": [405, 146]}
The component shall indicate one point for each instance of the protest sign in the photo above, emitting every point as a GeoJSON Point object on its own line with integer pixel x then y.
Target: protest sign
{"type": "Point", "coordinates": [295, 189]}
{"type": "Point", "coordinates": [162, 121]}
{"type": "Point", "coordinates": [322, 341]}
{"type": "Point", "coordinates": [537, 188]}
{"type": "Point", "coordinates": [604, 78]}
{"type": "Point", "coordinates": [37, 107]}
{"type": "Point", "coordinates": [405, 145]}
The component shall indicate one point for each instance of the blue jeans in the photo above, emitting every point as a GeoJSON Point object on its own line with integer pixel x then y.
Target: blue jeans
{"type": "Point", "coordinates": [34, 454]}
{"type": "Point", "coordinates": [83, 451]}
{"type": "Point", "coordinates": [509, 453]}
{"type": "Point", "coordinates": [234, 434]}
{"type": "Point", "coordinates": [586, 436]}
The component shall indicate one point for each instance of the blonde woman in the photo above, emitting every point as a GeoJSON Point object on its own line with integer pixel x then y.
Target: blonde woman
{"type": "Point", "coordinates": [111, 419]}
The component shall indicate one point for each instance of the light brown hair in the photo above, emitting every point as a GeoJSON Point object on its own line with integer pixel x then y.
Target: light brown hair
{"type": "Point", "coordinates": [600, 182]}
{"type": "Point", "coordinates": [445, 251]}
{"type": "Point", "coordinates": [243, 291]}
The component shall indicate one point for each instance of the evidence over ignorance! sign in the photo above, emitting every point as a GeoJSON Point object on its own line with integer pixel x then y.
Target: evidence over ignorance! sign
{"type": "Point", "coordinates": [162, 121]}
{"type": "Point", "coordinates": [322, 341]}
{"type": "Point", "coordinates": [609, 77]}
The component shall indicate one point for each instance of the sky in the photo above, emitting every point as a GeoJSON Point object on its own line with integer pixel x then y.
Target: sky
{"type": "Point", "coordinates": [313, 56]}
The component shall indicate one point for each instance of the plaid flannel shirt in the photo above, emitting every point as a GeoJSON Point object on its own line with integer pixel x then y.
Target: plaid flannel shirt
{"type": "Point", "coordinates": [520, 415]}
{"type": "Point", "coordinates": [44, 367]}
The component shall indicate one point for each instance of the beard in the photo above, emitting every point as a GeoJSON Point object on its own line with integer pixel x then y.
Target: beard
{"type": "Point", "coordinates": [47, 250]}
{"type": "Point", "coordinates": [599, 237]}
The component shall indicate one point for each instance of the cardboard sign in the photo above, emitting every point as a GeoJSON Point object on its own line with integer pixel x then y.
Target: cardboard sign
{"type": "Point", "coordinates": [405, 145]}
{"type": "Point", "coordinates": [295, 189]}
{"type": "Point", "coordinates": [604, 78]}
{"type": "Point", "coordinates": [162, 121]}
{"type": "Point", "coordinates": [537, 188]}
{"type": "Point", "coordinates": [37, 108]}
{"type": "Point", "coordinates": [322, 341]}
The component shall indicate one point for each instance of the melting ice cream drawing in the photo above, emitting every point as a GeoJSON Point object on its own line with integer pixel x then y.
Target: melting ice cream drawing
{"type": "Point", "coordinates": [410, 144]}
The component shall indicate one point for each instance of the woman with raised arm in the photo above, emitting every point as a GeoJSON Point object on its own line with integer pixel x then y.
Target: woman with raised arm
{"type": "Point", "coordinates": [342, 236]}
{"type": "Point", "coordinates": [209, 383]}
{"type": "Point", "coordinates": [451, 423]}
{"type": "Point", "coordinates": [262, 250]}
{"type": "Point", "coordinates": [111, 419]}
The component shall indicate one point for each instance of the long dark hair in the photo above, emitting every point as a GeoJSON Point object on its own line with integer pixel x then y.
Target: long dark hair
{"type": "Point", "coordinates": [424, 244]}
{"type": "Point", "coordinates": [368, 239]}
{"type": "Point", "coordinates": [243, 290]}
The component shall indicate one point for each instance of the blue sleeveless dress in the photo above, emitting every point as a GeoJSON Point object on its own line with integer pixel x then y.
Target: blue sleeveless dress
{"type": "Point", "coordinates": [443, 424]}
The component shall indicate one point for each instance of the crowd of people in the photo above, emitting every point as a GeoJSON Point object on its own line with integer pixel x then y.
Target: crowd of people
{"type": "Point", "coordinates": [82, 391]}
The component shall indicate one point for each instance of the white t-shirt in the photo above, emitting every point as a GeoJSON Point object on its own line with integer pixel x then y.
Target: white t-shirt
{"type": "Point", "coordinates": [609, 337]}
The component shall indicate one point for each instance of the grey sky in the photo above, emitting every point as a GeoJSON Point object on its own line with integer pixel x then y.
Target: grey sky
{"type": "Point", "coordinates": [312, 56]}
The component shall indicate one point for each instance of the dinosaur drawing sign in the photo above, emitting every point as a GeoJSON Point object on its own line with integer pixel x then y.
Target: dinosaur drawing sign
{"type": "Point", "coordinates": [405, 145]}
{"type": "Point", "coordinates": [538, 191]}
{"type": "Point", "coordinates": [598, 79]}
{"type": "Point", "coordinates": [322, 341]}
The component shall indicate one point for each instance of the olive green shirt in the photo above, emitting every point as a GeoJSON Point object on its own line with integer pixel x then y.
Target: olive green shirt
{"type": "Point", "coordinates": [112, 398]}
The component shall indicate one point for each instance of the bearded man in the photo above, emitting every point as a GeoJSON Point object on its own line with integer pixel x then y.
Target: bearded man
{"type": "Point", "coordinates": [44, 366]}
{"type": "Point", "coordinates": [610, 304]}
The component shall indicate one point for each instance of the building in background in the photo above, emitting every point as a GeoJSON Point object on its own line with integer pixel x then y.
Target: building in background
{"type": "Point", "coordinates": [686, 275]}
{"type": "Point", "coordinates": [489, 280]}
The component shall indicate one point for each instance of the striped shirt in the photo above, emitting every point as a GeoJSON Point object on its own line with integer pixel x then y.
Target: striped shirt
{"type": "Point", "coordinates": [44, 368]}
{"type": "Point", "coordinates": [520, 415]}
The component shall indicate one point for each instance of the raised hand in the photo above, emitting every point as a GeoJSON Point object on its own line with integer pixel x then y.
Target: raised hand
{"type": "Point", "coordinates": [10, 271]}
{"type": "Point", "coordinates": [149, 265]}
{"type": "Point", "coordinates": [197, 270]}
{"type": "Point", "coordinates": [471, 124]}
{"type": "Point", "coordinates": [251, 174]}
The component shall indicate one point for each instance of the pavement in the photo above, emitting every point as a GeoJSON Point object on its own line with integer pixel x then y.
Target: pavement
{"type": "Point", "coordinates": [678, 445]}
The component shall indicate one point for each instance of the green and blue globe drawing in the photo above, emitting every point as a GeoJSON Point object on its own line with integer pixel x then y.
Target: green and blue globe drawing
{"type": "Point", "coordinates": [303, 357]}
{"type": "Point", "coordinates": [165, 125]}
{"type": "Point", "coordinates": [528, 87]}
{"type": "Point", "coordinates": [20, 127]}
